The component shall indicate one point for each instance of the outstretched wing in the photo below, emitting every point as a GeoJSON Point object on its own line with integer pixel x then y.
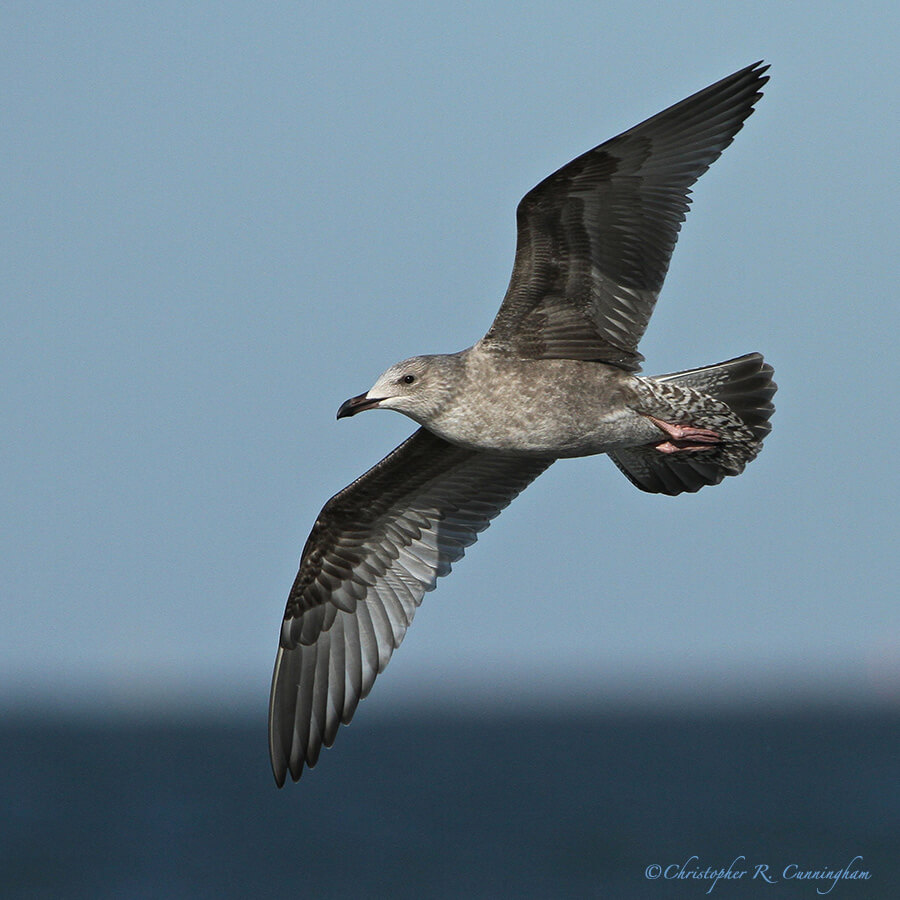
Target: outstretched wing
{"type": "Point", "coordinates": [374, 551]}
{"type": "Point", "coordinates": [596, 237]}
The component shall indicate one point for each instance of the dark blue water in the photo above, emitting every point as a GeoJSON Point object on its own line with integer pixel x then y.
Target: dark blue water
{"type": "Point", "coordinates": [458, 806]}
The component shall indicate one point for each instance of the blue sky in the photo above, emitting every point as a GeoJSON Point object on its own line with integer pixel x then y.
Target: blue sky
{"type": "Point", "coordinates": [219, 221]}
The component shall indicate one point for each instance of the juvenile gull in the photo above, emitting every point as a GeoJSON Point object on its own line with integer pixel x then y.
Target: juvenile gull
{"type": "Point", "coordinates": [553, 377]}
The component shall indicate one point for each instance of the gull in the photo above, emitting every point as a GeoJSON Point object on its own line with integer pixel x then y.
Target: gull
{"type": "Point", "coordinates": [554, 377]}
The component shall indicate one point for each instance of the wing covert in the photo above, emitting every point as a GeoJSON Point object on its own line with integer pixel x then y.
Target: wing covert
{"type": "Point", "coordinates": [375, 549]}
{"type": "Point", "coordinates": [595, 238]}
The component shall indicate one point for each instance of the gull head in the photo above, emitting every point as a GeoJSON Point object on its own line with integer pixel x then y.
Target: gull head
{"type": "Point", "coordinates": [417, 387]}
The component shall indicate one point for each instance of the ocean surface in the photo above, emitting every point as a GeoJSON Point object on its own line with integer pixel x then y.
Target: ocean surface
{"type": "Point", "coordinates": [456, 805]}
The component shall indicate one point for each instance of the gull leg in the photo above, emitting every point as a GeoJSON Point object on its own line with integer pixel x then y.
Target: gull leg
{"type": "Point", "coordinates": [684, 437]}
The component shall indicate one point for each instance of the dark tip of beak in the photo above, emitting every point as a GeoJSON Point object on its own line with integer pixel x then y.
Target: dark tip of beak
{"type": "Point", "coordinates": [356, 404]}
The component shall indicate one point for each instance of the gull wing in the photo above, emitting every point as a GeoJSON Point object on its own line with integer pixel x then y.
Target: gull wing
{"type": "Point", "coordinates": [595, 238]}
{"type": "Point", "coordinates": [375, 549]}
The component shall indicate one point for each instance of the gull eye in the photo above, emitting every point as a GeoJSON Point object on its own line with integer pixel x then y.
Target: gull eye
{"type": "Point", "coordinates": [409, 379]}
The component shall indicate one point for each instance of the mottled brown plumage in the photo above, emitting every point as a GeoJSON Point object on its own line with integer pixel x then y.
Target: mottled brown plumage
{"type": "Point", "coordinates": [553, 377]}
{"type": "Point", "coordinates": [595, 238]}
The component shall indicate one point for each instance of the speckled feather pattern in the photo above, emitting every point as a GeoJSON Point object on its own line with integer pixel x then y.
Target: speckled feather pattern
{"type": "Point", "coordinates": [555, 376]}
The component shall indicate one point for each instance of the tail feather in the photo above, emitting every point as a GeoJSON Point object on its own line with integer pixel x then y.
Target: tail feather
{"type": "Point", "coordinates": [745, 384]}
{"type": "Point", "coordinates": [733, 397]}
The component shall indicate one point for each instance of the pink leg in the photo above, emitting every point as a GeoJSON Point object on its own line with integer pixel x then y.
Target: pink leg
{"type": "Point", "coordinates": [684, 437]}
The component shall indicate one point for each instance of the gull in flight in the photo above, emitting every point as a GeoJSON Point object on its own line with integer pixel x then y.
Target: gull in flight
{"type": "Point", "coordinates": [554, 377]}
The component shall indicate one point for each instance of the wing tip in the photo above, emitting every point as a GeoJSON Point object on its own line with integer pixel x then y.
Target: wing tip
{"type": "Point", "coordinates": [277, 756]}
{"type": "Point", "coordinates": [760, 80]}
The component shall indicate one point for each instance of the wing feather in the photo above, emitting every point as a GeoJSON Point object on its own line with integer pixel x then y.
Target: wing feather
{"type": "Point", "coordinates": [595, 238]}
{"type": "Point", "coordinates": [375, 549]}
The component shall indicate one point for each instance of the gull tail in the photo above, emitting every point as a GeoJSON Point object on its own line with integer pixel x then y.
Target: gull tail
{"type": "Point", "coordinates": [732, 399]}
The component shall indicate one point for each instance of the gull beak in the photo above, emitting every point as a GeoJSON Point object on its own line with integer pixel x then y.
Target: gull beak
{"type": "Point", "coordinates": [357, 404]}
